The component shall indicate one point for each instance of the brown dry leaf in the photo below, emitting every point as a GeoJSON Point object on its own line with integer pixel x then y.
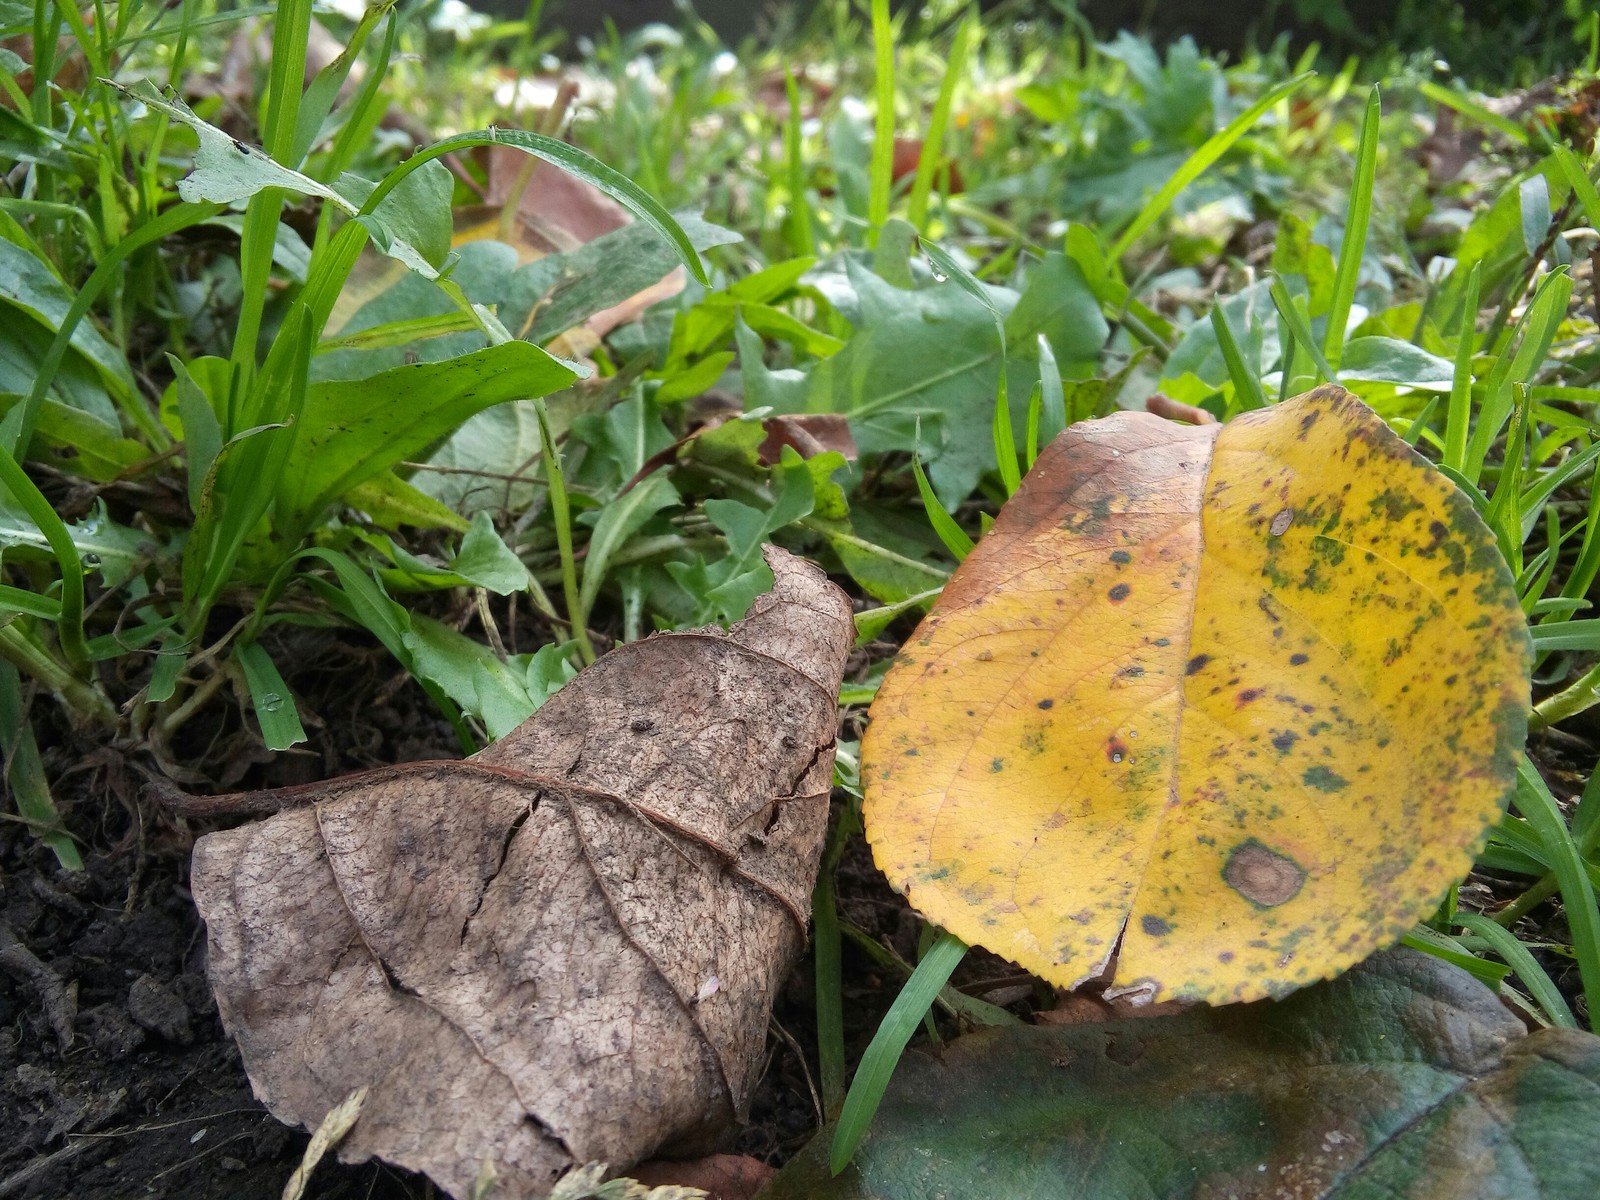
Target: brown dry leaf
{"type": "Point", "coordinates": [556, 211]}
{"type": "Point", "coordinates": [810, 434]}
{"type": "Point", "coordinates": [719, 1176]}
{"type": "Point", "coordinates": [565, 948]}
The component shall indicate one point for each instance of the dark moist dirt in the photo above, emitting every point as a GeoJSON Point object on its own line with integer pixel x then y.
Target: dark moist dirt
{"type": "Point", "coordinates": [150, 1098]}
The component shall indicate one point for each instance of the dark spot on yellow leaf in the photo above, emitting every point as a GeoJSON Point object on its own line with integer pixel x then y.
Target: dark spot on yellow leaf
{"type": "Point", "coordinates": [1249, 694]}
{"type": "Point", "coordinates": [1116, 748]}
{"type": "Point", "coordinates": [1119, 593]}
{"type": "Point", "coordinates": [1047, 703]}
{"type": "Point", "coordinates": [1121, 557]}
{"type": "Point", "coordinates": [1196, 663]}
{"type": "Point", "coordinates": [1324, 780]}
{"type": "Point", "coordinates": [1298, 660]}
{"type": "Point", "coordinates": [998, 764]}
{"type": "Point", "coordinates": [1155, 926]}
{"type": "Point", "coordinates": [1263, 876]}
{"type": "Point", "coordinates": [1284, 742]}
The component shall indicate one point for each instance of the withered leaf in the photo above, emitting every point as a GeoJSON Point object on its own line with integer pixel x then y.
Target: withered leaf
{"type": "Point", "coordinates": [564, 948]}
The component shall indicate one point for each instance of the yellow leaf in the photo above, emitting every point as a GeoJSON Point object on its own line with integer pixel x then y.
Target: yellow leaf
{"type": "Point", "coordinates": [1220, 709]}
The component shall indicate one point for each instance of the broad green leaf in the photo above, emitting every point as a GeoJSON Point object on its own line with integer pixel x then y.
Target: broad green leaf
{"type": "Point", "coordinates": [486, 561]}
{"type": "Point", "coordinates": [1403, 1078]}
{"type": "Point", "coordinates": [1235, 704]}
{"type": "Point", "coordinates": [390, 502]}
{"type": "Point", "coordinates": [929, 352]}
{"type": "Point", "coordinates": [623, 517]}
{"type": "Point", "coordinates": [1390, 360]}
{"type": "Point", "coordinates": [28, 285]}
{"type": "Point", "coordinates": [353, 429]}
{"type": "Point", "coordinates": [552, 294]}
{"type": "Point", "coordinates": [81, 443]}
{"type": "Point", "coordinates": [469, 673]}
{"type": "Point", "coordinates": [202, 432]}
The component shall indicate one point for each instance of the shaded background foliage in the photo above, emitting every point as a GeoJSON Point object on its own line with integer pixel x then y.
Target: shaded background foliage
{"type": "Point", "coordinates": [1483, 41]}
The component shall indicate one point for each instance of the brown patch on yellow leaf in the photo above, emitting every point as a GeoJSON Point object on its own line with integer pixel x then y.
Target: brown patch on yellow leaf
{"type": "Point", "coordinates": [1233, 703]}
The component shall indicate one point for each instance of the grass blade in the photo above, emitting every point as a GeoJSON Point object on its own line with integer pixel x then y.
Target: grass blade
{"type": "Point", "coordinates": [270, 696]}
{"type": "Point", "coordinates": [1299, 331]}
{"type": "Point", "coordinates": [1526, 967]}
{"type": "Point", "coordinates": [952, 535]}
{"type": "Point", "coordinates": [24, 772]}
{"type": "Point", "coordinates": [1035, 409]}
{"type": "Point", "coordinates": [69, 622]}
{"type": "Point", "coordinates": [1245, 383]}
{"type": "Point", "coordinates": [805, 243]}
{"type": "Point", "coordinates": [1005, 441]}
{"type": "Point", "coordinates": [561, 512]}
{"type": "Point", "coordinates": [878, 1064]}
{"type": "Point", "coordinates": [1533, 335]}
{"type": "Point", "coordinates": [1542, 812]}
{"type": "Point", "coordinates": [933, 139]}
{"type": "Point", "coordinates": [1196, 164]}
{"type": "Point", "coordinates": [883, 124]}
{"type": "Point", "coordinates": [571, 160]}
{"type": "Point", "coordinates": [1354, 242]}
{"type": "Point", "coordinates": [1459, 415]}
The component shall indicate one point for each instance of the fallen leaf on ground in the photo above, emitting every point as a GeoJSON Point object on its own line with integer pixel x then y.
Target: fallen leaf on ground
{"type": "Point", "coordinates": [565, 948]}
{"type": "Point", "coordinates": [719, 1176]}
{"type": "Point", "coordinates": [1229, 705]}
{"type": "Point", "coordinates": [1403, 1078]}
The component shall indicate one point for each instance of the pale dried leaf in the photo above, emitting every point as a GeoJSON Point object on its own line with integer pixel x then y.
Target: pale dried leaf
{"type": "Point", "coordinates": [512, 950]}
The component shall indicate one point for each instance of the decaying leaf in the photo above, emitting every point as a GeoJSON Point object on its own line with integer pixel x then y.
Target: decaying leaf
{"type": "Point", "coordinates": [565, 948]}
{"type": "Point", "coordinates": [1232, 705]}
{"type": "Point", "coordinates": [1405, 1079]}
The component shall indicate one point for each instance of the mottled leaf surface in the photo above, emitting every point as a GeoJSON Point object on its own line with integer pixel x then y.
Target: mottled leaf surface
{"type": "Point", "coordinates": [1404, 1079]}
{"type": "Point", "coordinates": [565, 948]}
{"type": "Point", "coordinates": [1226, 706]}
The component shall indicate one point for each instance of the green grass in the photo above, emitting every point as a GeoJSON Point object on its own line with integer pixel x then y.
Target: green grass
{"type": "Point", "coordinates": [228, 307]}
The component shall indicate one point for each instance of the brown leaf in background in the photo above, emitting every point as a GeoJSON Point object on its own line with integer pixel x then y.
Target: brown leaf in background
{"type": "Point", "coordinates": [564, 948]}
{"type": "Point", "coordinates": [810, 434]}
{"type": "Point", "coordinates": [719, 1176]}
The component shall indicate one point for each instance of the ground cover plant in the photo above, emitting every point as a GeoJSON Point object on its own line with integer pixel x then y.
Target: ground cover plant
{"type": "Point", "coordinates": [369, 374]}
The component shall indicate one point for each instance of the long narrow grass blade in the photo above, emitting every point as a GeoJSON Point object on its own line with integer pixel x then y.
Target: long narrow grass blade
{"type": "Point", "coordinates": [1295, 320]}
{"type": "Point", "coordinates": [1532, 336]}
{"type": "Point", "coordinates": [952, 535]}
{"type": "Point", "coordinates": [938, 120]}
{"type": "Point", "coordinates": [571, 160]}
{"type": "Point", "coordinates": [799, 204]}
{"type": "Point", "coordinates": [1354, 243]}
{"type": "Point", "coordinates": [883, 125]}
{"type": "Point", "coordinates": [1246, 383]}
{"type": "Point", "coordinates": [1458, 417]}
{"type": "Point", "coordinates": [878, 1064]}
{"type": "Point", "coordinates": [24, 771]}
{"type": "Point", "coordinates": [1196, 164]}
{"type": "Point", "coordinates": [270, 695]}
{"type": "Point", "coordinates": [69, 622]}
{"type": "Point", "coordinates": [1536, 803]}
{"type": "Point", "coordinates": [1517, 957]}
